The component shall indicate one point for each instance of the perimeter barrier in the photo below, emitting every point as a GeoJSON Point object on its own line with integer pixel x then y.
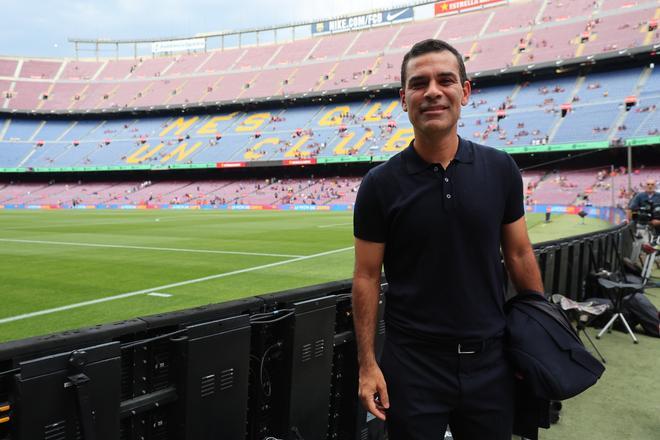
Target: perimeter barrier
{"type": "Point", "coordinates": [276, 366]}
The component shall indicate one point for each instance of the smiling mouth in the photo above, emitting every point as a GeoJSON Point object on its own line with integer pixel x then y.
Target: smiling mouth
{"type": "Point", "coordinates": [434, 109]}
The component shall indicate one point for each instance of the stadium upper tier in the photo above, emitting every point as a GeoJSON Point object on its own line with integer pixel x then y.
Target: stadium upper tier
{"type": "Point", "coordinates": [516, 34]}
{"type": "Point", "coordinates": [567, 112]}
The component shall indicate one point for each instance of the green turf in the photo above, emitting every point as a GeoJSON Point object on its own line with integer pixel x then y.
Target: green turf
{"type": "Point", "coordinates": [39, 276]}
{"type": "Point", "coordinates": [560, 226]}
{"type": "Point", "coordinates": [625, 403]}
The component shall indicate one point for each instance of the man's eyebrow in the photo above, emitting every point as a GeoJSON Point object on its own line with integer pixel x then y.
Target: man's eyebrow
{"type": "Point", "coordinates": [417, 78]}
{"type": "Point", "coordinates": [440, 74]}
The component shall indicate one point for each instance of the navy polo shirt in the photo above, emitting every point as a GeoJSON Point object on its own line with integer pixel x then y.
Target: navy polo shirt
{"type": "Point", "coordinates": [441, 230]}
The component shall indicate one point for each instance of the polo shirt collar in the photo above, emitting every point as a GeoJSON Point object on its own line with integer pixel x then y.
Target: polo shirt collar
{"type": "Point", "coordinates": [415, 164]}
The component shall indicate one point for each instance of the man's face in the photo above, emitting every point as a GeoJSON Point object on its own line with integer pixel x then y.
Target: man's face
{"type": "Point", "coordinates": [650, 186]}
{"type": "Point", "coordinates": [433, 93]}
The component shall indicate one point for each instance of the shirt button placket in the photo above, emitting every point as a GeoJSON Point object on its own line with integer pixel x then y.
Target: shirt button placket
{"type": "Point", "coordinates": [448, 193]}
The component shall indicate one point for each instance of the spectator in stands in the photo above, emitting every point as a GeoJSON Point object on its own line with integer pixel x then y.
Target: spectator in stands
{"type": "Point", "coordinates": [649, 197]}
{"type": "Point", "coordinates": [436, 215]}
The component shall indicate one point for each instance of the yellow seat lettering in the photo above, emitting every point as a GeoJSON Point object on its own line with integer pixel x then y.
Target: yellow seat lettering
{"type": "Point", "coordinates": [180, 124]}
{"type": "Point", "coordinates": [181, 151]}
{"type": "Point", "coordinates": [143, 153]}
{"type": "Point", "coordinates": [253, 122]}
{"type": "Point", "coordinates": [399, 140]}
{"type": "Point", "coordinates": [253, 152]}
{"type": "Point", "coordinates": [371, 115]}
{"type": "Point", "coordinates": [334, 116]}
{"type": "Point", "coordinates": [294, 152]}
{"type": "Point", "coordinates": [211, 127]}
{"type": "Point", "coordinates": [341, 146]}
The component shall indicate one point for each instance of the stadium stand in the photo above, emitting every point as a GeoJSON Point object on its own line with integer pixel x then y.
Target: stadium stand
{"type": "Point", "coordinates": [560, 187]}
{"type": "Point", "coordinates": [271, 191]}
{"type": "Point", "coordinates": [589, 106]}
{"type": "Point", "coordinates": [517, 34]}
{"type": "Point", "coordinates": [509, 115]}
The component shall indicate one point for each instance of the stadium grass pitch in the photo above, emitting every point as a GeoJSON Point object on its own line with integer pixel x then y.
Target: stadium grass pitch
{"type": "Point", "coordinates": [60, 259]}
{"type": "Point", "coordinates": [68, 269]}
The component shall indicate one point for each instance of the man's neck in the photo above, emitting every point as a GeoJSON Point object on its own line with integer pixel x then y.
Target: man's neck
{"type": "Point", "coordinates": [436, 150]}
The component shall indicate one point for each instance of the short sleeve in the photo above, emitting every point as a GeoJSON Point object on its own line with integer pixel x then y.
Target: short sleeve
{"type": "Point", "coordinates": [368, 213]}
{"type": "Point", "coordinates": [634, 203]}
{"type": "Point", "coordinates": [514, 207]}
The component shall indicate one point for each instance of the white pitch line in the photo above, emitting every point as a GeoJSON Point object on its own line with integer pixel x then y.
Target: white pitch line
{"type": "Point", "coordinates": [159, 294]}
{"type": "Point", "coordinates": [148, 248]}
{"type": "Point", "coordinates": [165, 287]}
{"type": "Point", "coordinates": [336, 224]}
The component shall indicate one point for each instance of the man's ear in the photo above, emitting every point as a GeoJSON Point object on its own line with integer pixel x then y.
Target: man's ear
{"type": "Point", "coordinates": [402, 95]}
{"type": "Point", "coordinates": [467, 91]}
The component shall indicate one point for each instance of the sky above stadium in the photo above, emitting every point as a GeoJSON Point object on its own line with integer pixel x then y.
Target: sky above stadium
{"type": "Point", "coordinates": [42, 27]}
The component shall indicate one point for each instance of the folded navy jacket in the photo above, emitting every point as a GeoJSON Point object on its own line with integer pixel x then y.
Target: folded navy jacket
{"type": "Point", "coordinates": [550, 361]}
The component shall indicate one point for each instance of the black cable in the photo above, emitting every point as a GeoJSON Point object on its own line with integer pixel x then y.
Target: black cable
{"type": "Point", "coordinates": [256, 319]}
{"type": "Point", "coordinates": [562, 159]}
{"type": "Point", "coordinates": [261, 369]}
{"type": "Point", "coordinates": [155, 338]}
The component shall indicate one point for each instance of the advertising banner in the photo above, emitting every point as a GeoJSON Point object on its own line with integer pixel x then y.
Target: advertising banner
{"type": "Point", "coordinates": [178, 45]}
{"type": "Point", "coordinates": [230, 164]}
{"type": "Point", "coordinates": [363, 21]}
{"type": "Point", "coordinates": [607, 213]}
{"type": "Point", "coordinates": [455, 6]}
{"type": "Point", "coordinates": [311, 161]}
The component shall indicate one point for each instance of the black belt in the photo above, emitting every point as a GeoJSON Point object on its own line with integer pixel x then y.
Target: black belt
{"type": "Point", "coordinates": [468, 347]}
{"type": "Point", "coordinates": [446, 345]}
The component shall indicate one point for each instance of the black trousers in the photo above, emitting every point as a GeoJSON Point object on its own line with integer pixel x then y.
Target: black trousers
{"type": "Point", "coordinates": [430, 387]}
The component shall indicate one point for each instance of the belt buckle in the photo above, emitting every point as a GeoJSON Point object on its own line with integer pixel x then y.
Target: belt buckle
{"type": "Point", "coordinates": [460, 350]}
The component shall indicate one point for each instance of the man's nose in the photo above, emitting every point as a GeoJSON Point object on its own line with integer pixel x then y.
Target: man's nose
{"type": "Point", "coordinates": [433, 90]}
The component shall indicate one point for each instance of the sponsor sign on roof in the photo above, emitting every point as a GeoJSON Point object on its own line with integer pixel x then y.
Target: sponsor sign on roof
{"type": "Point", "coordinates": [178, 45]}
{"type": "Point", "coordinates": [363, 21]}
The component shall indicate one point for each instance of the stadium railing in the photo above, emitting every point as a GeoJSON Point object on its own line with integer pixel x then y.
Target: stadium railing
{"type": "Point", "coordinates": [275, 366]}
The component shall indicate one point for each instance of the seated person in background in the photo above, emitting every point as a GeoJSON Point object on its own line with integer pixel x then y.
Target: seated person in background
{"type": "Point", "coordinates": [646, 206]}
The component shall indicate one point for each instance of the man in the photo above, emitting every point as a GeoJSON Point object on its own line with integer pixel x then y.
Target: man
{"type": "Point", "coordinates": [649, 197]}
{"type": "Point", "coordinates": [435, 215]}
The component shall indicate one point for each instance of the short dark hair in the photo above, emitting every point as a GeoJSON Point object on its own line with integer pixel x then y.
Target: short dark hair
{"type": "Point", "coordinates": [431, 45]}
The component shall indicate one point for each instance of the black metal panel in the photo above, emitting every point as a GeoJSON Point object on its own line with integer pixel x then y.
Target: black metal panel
{"type": "Point", "coordinates": [213, 386]}
{"type": "Point", "coordinates": [573, 285]}
{"type": "Point", "coordinates": [561, 270]}
{"type": "Point", "coordinates": [599, 252]}
{"type": "Point", "coordinates": [311, 350]}
{"type": "Point", "coordinates": [348, 419]}
{"type": "Point", "coordinates": [269, 378]}
{"type": "Point", "coordinates": [287, 297]}
{"type": "Point", "coordinates": [548, 269]}
{"type": "Point", "coordinates": [47, 398]}
{"type": "Point", "coordinates": [14, 352]}
{"type": "Point", "coordinates": [608, 253]}
{"type": "Point", "coordinates": [204, 313]}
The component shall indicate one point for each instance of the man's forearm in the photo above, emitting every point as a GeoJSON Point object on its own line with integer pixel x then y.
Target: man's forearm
{"type": "Point", "coordinates": [524, 271]}
{"type": "Point", "coordinates": [366, 293]}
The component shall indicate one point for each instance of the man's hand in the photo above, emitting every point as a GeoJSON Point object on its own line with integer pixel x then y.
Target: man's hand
{"type": "Point", "coordinates": [373, 391]}
{"type": "Point", "coordinates": [366, 292]}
